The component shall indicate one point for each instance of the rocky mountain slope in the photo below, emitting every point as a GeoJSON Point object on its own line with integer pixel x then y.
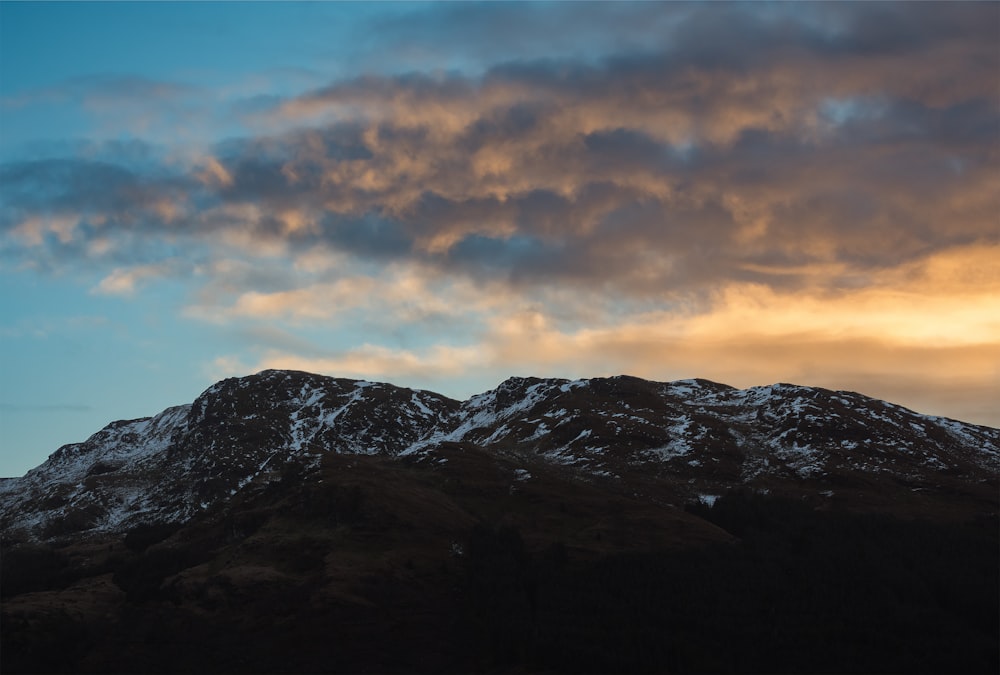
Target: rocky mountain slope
{"type": "Point", "coordinates": [168, 467]}
{"type": "Point", "coordinates": [676, 442]}
{"type": "Point", "coordinates": [289, 522]}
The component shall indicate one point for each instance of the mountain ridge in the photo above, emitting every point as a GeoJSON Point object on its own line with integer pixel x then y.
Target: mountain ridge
{"type": "Point", "coordinates": [690, 439]}
{"type": "Point", "coordinates": [292, 522]}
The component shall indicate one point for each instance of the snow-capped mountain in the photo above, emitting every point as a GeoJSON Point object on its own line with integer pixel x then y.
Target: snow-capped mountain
{"type": "Point", "coordinates": [676, 442]}
{"type": "Point", "coordinates": [167, 467]}
{"type": "Point", "coordinates": [687, 425]}
{"type": "Point", "coordinates": [288, 522]}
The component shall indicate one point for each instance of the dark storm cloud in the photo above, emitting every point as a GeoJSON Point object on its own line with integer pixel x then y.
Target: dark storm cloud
{"type": "Point", "coordinates": [737, 142]}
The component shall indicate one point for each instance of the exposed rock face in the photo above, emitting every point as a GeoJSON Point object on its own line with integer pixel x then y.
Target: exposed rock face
{"type": "Point", "coordinates": [676, 442]}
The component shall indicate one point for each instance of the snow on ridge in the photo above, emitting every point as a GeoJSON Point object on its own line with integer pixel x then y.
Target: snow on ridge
{"type": "Point", "coordinates": [985, 441]}
{"type": "Point", "coordinates": [541, 430]}
{"type": "Point", "coordinates": [486, 411]}
{"type": "Point", "coordinates": [421, 406]}
{"type": "Point", "coordinates": [781, 427]}
{"type": "Point", "coordinates": [128, 451]}
{"type": "Point", "coordinates": [304, 427]}
{"type": "Point", "coordinates": [567, 387]}
{"type": "Point", "coordinates": [121, 443]}
{"type": "Point", "coordinates": [686, 388]}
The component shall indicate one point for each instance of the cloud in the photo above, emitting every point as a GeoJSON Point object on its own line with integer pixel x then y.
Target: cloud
{"type": "Point", "coordinates": [365, 361]}
{"type": "Point", "coordinates": [111, 105]}
{"type": "Point", "coordinates": [947, 379]}
{"type": "Point", "coordinates": [550, 169]}
{"type": "Point", "coordinates": [329, 291]}
{"type": "Point", "coordinates": [927, 336]}
{"type": "Point", "coordinates": [126, 281]}
{"type": "Point", "coordinates": [104, 91]}
{"type": "Point", "coordinates": [214, 174]}
{"type": "Point", "coordinates": [727, 190]}
{"type": "Point", "coordinates": [800, 139]}
{"type": "Point", "coordinates": [474, 36]}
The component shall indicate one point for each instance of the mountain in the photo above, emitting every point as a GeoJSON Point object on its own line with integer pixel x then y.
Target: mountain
{"type": "Point", "coordinates": [295, 522]}
{"type": "Point", "coordinates": [168, 467]}
{"type": "Point", "coordinates": [683, 441]}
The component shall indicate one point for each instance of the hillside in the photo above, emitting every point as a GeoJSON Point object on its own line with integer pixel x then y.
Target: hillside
{"type": "Point", "coordinates": [293, 522]}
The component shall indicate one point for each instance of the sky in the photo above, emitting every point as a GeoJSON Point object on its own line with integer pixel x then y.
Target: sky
{"type": "Point", "coordinates": [443, 195]}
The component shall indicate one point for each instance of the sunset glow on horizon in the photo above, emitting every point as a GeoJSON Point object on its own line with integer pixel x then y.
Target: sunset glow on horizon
{"type": "Point", "coordinates": [442, 195]}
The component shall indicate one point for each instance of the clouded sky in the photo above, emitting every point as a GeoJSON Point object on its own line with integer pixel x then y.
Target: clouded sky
{"type": "Point", "coordinates": [443, 195]}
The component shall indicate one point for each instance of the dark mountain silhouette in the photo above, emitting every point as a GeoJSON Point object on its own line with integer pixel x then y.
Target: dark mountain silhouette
{"type": "Point", "coordinates": [293, 522]}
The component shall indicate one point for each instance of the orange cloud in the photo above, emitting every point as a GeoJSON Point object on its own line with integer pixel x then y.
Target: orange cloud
{"type": "Point", "coordinates": [814, 197]}
{"type": "Point", "coordinates": [125, 281]}
{"type": "Point", "coordinates": [927, 335]}
{"type": "Point", "coordinates": [214, 173]}
{"type": "Point", "coordinates": [366, 361]}
{"type": "Point", "coordinates": [32, 230]}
